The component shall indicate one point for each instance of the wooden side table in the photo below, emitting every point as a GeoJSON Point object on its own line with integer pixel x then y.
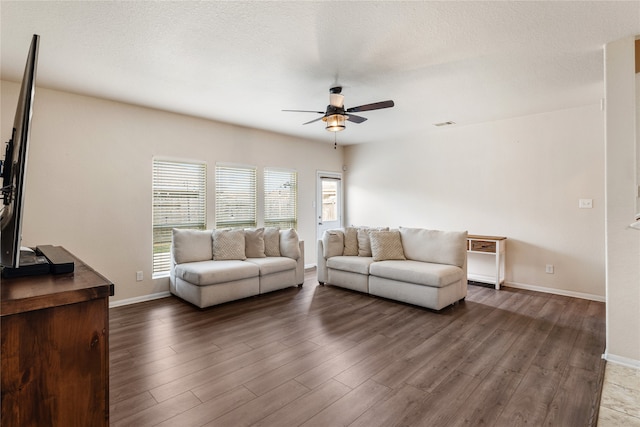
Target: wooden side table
{"type": "Point", "coordinates": [55, 349]}
{"type": "Point", "coordinates": [489, 245]}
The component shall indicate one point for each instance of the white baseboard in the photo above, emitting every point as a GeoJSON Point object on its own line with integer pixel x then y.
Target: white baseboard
{"type": "Point", "coordinates": [619, 360]}
{"type": "Point", "coordinates": [554, 291]}
{"type": "Point", "coordinates": [308, 267]}
{"type": "Point", "coordinates": [142, 298]}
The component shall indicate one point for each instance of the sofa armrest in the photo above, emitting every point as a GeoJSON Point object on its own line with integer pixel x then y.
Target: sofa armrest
{"type": "Point", "coordinates": [322, 264]}
{"type": "Point", "coordinates": [300, 265]}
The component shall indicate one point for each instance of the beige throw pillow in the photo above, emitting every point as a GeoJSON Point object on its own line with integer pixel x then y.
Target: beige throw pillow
{"type": "Point", "coordinates": [228, 245]}
{"type": "Point", "coordinates": [254, 242]}
{"type": "Point", "coordinates": [386, 245]}
{"type": "Point", "coordinates": [350, 241]}
{"type": "Point", "coordinates": [332, 243]}
{"type": "Point", "coordinates": [272, 241]}
{"type": "Point", "coordinates": [364, 241]}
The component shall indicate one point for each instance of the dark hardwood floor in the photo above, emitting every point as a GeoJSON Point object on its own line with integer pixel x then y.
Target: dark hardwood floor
{"type": "Point", "coordinates": [325, 356]}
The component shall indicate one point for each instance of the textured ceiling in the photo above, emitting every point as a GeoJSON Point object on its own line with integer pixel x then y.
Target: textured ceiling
{"type": "Point", "coordinates": [243, 62]}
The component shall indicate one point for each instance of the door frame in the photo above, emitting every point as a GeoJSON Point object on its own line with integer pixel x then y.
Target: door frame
{"type": "Point", "coordinates": [318, 202]}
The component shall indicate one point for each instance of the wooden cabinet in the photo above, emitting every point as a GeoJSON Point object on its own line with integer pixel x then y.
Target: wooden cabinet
{"type": "Point", "coordinates": [55, 349]}
{"type": "Point", "coordinates": [494, 246]}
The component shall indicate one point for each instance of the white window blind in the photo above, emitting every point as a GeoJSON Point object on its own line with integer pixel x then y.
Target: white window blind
{"type": "Point", "coordinates": [179, 201]}
{"type": "Point", "coordinates": [280, 198]}
{"type": "Point", "coordinates": [236, 203]}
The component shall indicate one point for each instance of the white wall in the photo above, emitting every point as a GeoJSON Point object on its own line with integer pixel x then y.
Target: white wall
{"type": "Point", "coordinates": [89, 176]}
{"type": "Point", "coordinates": [521, 178]}
{"type": "Point", "coordinates": [623, 243]}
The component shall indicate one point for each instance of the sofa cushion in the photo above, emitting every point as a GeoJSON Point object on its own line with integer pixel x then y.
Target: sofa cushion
{"type": "Point", "coordinates": [364, 240]}
{"type": "Point", "coordinates": [272, 241]}
{"type": "Point", "coordinates": [191, 245]}
{"type": "Point", "coordinates": [440, 247]}
{"type": "Point", "coordinates": [289, 244]}
{"type": "Point", "coordinates": [254, 242]}
{"type": "Point", "coordinates": [332, 243]}
{"type": "Point", "coordinates": [350, 241]}
{"type": "Point", "coordinates": [386, 245]}
{"type": "Point", "coordinates": [272, 265]}
{"type": "Point", "coordinates": [205, 273]}
{"type": "Point", "coordinates": [353, 264]}
{"type": "Point", "coordinates": [228, 245]}
{"type": "Point", "coordinates": [417, 272]}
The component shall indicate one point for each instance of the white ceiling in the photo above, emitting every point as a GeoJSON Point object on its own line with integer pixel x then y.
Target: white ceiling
{"type": "Point", "coordinates": [243, 62]}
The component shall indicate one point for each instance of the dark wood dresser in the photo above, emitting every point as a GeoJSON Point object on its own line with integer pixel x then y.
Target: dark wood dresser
{"type": "Point", "coordinates": [55, 349]}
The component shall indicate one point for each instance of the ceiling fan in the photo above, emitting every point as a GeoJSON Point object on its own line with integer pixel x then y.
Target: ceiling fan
{"type": "Point", "coordinates": [336, 115]}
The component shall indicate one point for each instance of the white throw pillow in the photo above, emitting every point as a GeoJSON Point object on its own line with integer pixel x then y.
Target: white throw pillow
{"type": "Point", "coordinates": [386, 245]}
{"type": "Point", "coordinates": [191, 245]}
{"type": "Point", "coordinates": [228, 245]}
{"type": "Point", "coordinates": [289, 244]}
{"type": "Point", "coordinates": [254, 242]}
{"type": "Point", "coordinates": [272, 241]}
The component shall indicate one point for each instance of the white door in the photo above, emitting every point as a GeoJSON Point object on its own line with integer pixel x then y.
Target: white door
{"type": "Point", "coordinates": [329, 202]}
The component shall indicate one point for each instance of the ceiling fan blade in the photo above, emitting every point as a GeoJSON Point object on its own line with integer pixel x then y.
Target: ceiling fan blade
{"type": "Point", "coordinates": [356, 119]}
{"type": "Point", "coordinates": [304, 111]}
{"type": "Point", "coordinates": [314, 120]}
{"type": "Point", "coordinates": [369, 107]}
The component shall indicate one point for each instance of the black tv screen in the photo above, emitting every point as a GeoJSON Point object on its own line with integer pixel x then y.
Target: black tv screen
{"type": "Point", "coordinates": [15, 165]}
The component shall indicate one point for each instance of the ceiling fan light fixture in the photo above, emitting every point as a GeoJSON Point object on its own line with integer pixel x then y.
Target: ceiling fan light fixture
{"type": "Point", "coordinates": [335, 122]}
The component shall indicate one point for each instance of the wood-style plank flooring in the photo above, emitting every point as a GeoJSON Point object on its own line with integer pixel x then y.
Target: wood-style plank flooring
{"type": "Point", "coordinates": [325, 356]}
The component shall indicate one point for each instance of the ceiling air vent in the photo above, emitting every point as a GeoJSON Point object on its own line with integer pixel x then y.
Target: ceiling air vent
{"type": "Point", "coordinates": [444, 124]}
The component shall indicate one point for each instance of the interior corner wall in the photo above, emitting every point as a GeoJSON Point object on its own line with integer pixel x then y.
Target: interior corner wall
{"type": "Point", "coordinates": [521, 178]}
{"type": "Point", "coordinates": [623, 242]}
{"type": "Point", "coordinates": [89, 177]}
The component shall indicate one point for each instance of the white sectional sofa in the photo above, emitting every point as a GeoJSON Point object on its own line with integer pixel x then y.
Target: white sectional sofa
{"type": "Point", "coordinates": [413, 265]}
{"type": "Point", "coordinates": [211, 267]}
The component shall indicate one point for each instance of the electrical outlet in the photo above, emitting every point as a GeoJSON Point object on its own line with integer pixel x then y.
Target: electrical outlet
{"type": "Point", "coordinates": [548, 269]}
{"type": "Point", "coordinates": [139, 276]}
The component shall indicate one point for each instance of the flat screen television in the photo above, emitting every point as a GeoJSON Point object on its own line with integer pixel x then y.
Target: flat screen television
{"type": "Point", "coordinates": [14, 166]}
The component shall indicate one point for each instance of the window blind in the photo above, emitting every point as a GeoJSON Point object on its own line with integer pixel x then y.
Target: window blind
{"type": "Point", "coordinates": [236, 203]}
{"type": "Point", "coordinates": [280, 198]}
{"type": "Point", "coordinates": [179, 201]}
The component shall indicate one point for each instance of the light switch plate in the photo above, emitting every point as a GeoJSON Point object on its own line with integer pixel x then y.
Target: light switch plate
{"type": "Point", "coordinates": [585, 203]}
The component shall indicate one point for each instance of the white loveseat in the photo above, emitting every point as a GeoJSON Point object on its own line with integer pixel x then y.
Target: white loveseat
{"type": "Point", "coordinates": [413, 265]}
{"type": "Point", "coordinates": [210, 267]}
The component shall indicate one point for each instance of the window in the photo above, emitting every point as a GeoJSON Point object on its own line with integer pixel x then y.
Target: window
{"type": "Point", "coordinates": [235, 196]}
{"type": "Point", "coordinates": [330, 200]}
{"type": "Point", "coordinates": [179, 201]}
{"type": "Point", "coordinates": [280, 198]}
